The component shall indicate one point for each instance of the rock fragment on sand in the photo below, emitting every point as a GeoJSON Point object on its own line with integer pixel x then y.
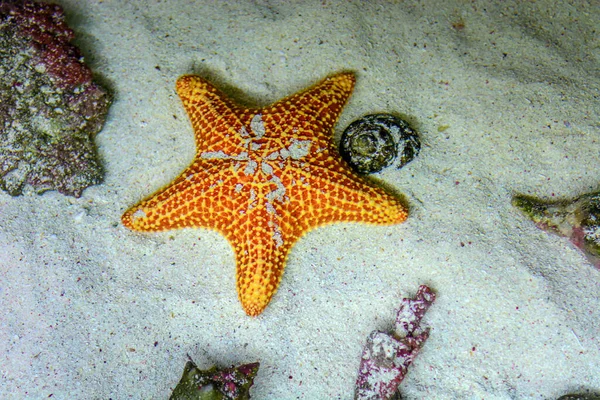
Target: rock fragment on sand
{"type": "Point", "coordinates": [50, 109]}
{"type": "Point", "coordinates": [386, 357]}
{"type": "Point", "coordinates": [215, 384]}
{"type": "Point", "coordinates": [577, 219]}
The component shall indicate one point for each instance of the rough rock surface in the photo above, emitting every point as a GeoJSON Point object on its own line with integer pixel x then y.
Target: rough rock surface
{"type": "Point", "coordinates": [50, 109]}
{"type": "Point", "coordinates": [387, 356]}
{"type": "Point", "coordinates": [215, 384]}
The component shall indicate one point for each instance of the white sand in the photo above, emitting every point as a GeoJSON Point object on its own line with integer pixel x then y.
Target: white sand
{"type": "Point", "coordinates": [91, 310]}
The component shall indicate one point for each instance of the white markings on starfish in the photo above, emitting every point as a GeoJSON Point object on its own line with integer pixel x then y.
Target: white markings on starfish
{"type": "Point", "coordinates": [250, 168]}
{"type": "Point", "coordinates": [258, 126]}
{"type": "Point", "coordinates": [221, 155]}
{"type": "Point", "coordinates": [266, 168]}
{"type": "Point", "coordinates": [278, 193]}
{"type": "Point", "coordinates": [139, 213]}
{"type": "Point", "coordinates": [296, 150]}
{"type": "Point", "coordinates": [299, 148]}
{"type": "Point", "coordinates": [243, 132]}
{"type": "Point", "coordinates": [277, 237]}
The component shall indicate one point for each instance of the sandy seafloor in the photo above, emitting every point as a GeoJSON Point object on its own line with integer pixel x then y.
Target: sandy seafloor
{"type": "Point", "coordinates": [506, 100]}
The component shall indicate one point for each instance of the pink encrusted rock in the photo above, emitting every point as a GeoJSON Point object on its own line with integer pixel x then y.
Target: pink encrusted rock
{"type": "Point", "coordinates": [50, 108]}
{"type": "Point", "coordinates": [232, 383]}
{"type": "Point", "coordinates": [44, 24]}
{"type": "Point", "coordinates": [386, 357]}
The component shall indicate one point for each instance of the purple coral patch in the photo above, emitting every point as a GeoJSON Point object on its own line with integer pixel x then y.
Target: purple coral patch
{"type": "Point", "coordinates": [44, 24]}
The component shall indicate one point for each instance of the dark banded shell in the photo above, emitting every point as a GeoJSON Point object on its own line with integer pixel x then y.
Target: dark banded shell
{"type": "Point", "coordinates": [377, 141]}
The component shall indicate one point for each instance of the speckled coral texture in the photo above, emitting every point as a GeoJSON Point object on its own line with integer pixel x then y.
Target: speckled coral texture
{"type": "Point", "coordinates": [505, 98]}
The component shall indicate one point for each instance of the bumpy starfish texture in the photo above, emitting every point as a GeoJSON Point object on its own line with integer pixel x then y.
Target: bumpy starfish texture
{"type": "Point", "coordinates": [263, 178]}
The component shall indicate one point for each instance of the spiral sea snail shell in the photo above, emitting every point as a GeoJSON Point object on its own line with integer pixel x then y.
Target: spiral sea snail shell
{"type": "Point", "coordinates": [377, 141]}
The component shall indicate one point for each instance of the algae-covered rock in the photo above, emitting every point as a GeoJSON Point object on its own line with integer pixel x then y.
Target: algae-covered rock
{"type": "Point", "coordinates": [50, 109]}
{"type": "Point", "coordinates": [578, 219]}
{"type": "Point", "coordinates": [215, 384]}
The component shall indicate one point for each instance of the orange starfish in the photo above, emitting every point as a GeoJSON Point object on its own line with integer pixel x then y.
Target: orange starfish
{"type": "Point", "coordinates": [263, 178]}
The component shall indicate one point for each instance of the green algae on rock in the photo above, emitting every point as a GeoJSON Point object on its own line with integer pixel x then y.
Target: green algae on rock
{"type": "Point", "coordinates": [215, 384]}
{"type": "Point", "coordinates": [50, 109]}
{"type": "Point", "coordinates": [377, 141]}
{"type": "Point", "coordinates": [577, 219]}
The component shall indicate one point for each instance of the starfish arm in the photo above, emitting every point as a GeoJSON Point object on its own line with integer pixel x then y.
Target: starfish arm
{"type": "Point", "coordinates": [323, 196]}
{"type": "Point", "coordinates": [214, 117]}
{"type": "Point", "coordinates": [311, 113]}
{"type": "Point", "coordinates": [202, 196]}
{"type": "Point", "coordinates": [261, 247]}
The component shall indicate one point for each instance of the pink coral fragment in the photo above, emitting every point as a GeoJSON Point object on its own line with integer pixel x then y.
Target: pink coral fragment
{"type": "Point", "coordinates": [386, 357]}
